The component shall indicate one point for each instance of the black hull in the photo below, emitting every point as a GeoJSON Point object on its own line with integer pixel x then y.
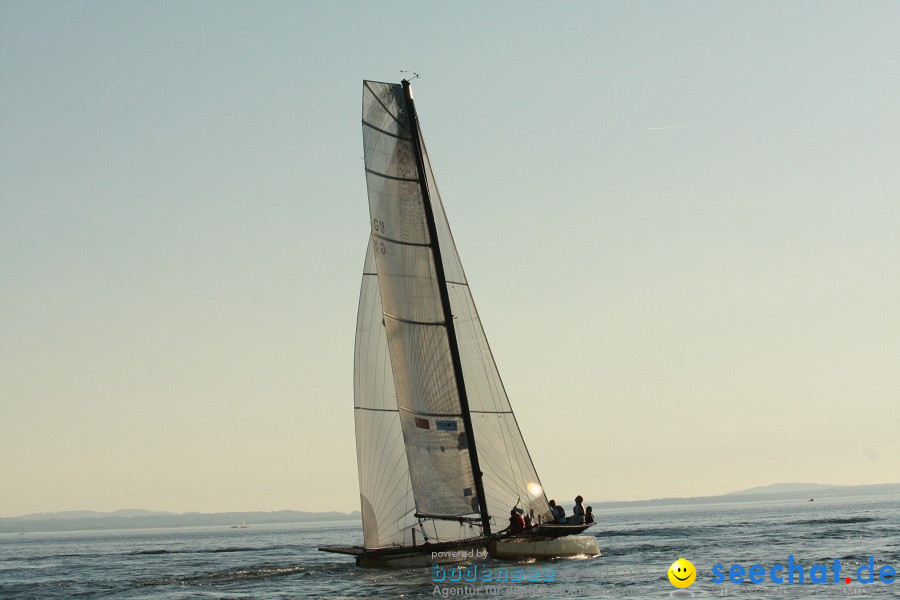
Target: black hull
{"type": "Point", "coordinates": [404, 556]}
{"type": "Point", "coordinates": [459, 551]}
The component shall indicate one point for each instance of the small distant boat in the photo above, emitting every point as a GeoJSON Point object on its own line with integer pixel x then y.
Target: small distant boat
{"type": "Point", "coordinates": [812, 499]}
{"type": "Point", "coordinates": [441, 458]}
{"type": "Point", "coordinates": [243, 524]}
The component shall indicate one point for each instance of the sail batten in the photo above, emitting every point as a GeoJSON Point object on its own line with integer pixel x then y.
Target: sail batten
{"type": "Point", "coordinates": [385, 131]}
{"type": "Point", "coordinates": [394, 177]}
{"type": "Point", "coordinates": [384, 238]}
{"type": "Point", "coordinates": [411, 322]}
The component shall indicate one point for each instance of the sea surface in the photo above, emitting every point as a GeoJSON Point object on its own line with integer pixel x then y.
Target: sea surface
{"type": "Point", "coordinates": [637, 544]}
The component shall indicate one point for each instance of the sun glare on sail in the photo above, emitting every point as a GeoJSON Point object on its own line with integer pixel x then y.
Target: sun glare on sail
{"type": "Point", "coordinates": [534, 488]}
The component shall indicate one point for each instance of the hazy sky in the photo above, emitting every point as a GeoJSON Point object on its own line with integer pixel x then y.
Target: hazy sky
{"type": "Point", "coordinates": [679, 220]}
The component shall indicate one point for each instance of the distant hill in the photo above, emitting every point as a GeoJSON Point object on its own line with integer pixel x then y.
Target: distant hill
{"type": "Point", "coordinates": [91, 514]}
{"type": "Point", "coordinates": [788, 488]}
{"type": "Point", "coordinates": [778, 492]}
{"type": "Point", "coordinates": [145, 519]}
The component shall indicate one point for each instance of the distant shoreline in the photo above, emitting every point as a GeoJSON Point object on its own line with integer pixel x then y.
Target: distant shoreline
{"type": "Point", "coordinates": [770, 493]}
{"type": "Point", "coordinates": [142, 519]}
{"type": "Point", "coordinates": [139, 519]}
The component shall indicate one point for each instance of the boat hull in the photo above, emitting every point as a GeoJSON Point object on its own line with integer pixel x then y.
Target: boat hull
{"type": "Point", "coordinates": [420, 559]}
{"type": "Point", "coordinates": [458, 552]}
{"type": "Point", "coordinates": [538, 548]}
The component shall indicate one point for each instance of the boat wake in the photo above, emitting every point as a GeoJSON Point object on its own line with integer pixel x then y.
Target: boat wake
{"type": "Point", "coordinates": [207, 550]}
{"type": "Point", "coordinates": [232, 575]}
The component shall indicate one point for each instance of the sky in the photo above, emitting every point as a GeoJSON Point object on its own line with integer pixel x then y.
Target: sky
{"type": "Point", "coordinates": [679, 222]}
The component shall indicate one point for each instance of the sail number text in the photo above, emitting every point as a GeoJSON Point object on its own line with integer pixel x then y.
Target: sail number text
{"type": "Point", "coordinates": [378, 227]}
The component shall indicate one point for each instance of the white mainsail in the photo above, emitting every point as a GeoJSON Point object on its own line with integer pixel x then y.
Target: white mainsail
{"type": "Point", "coordinates": [411, 403]}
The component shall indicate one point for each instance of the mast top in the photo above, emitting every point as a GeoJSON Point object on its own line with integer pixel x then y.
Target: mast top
{"type": "Point", "coordinates": [407, 89]}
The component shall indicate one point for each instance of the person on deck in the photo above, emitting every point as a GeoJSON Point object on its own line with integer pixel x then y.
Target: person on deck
{"type": "Point", "coordinates": [560, 514]}
{"type": "Point", "coordinates": [577, 517]}
{"type": "Point", "coordinates": [589, 515]}
{"type": "Point", "coordinates": [516, 522]}
{"type": "Point", "coordinates": [556, 512]}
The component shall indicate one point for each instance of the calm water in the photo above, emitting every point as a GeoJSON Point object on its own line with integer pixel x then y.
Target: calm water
{"type": "Point", "coordinates": [638, 545]}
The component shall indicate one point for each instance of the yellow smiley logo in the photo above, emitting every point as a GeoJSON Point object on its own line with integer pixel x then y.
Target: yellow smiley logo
{"type": "Point", "coordinates": [682, 573]}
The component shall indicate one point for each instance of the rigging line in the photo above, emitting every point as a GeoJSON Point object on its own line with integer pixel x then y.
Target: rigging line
{"type": "Point", "coordinates": [386, 109]}
{"type": "Point", "coordinates": [390, 410]}
{"type": "Point", "coordinates": [386, 176]}
{"type": "Point", "coordinates": [386, 132]}
{"type": "Point", "coordinates": [434, 527]}
{"type": "Point", "coordinates": [401, 243]}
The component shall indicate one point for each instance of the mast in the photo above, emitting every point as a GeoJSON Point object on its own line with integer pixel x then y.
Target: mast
{"type": "Point", "coordinates": [448, 314]}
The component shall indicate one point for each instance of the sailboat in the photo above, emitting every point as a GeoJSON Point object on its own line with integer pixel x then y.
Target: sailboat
{"type": "Point", "coordinates": [243, 524]}
{"type": "Point", "coordinates": [442, 461]}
